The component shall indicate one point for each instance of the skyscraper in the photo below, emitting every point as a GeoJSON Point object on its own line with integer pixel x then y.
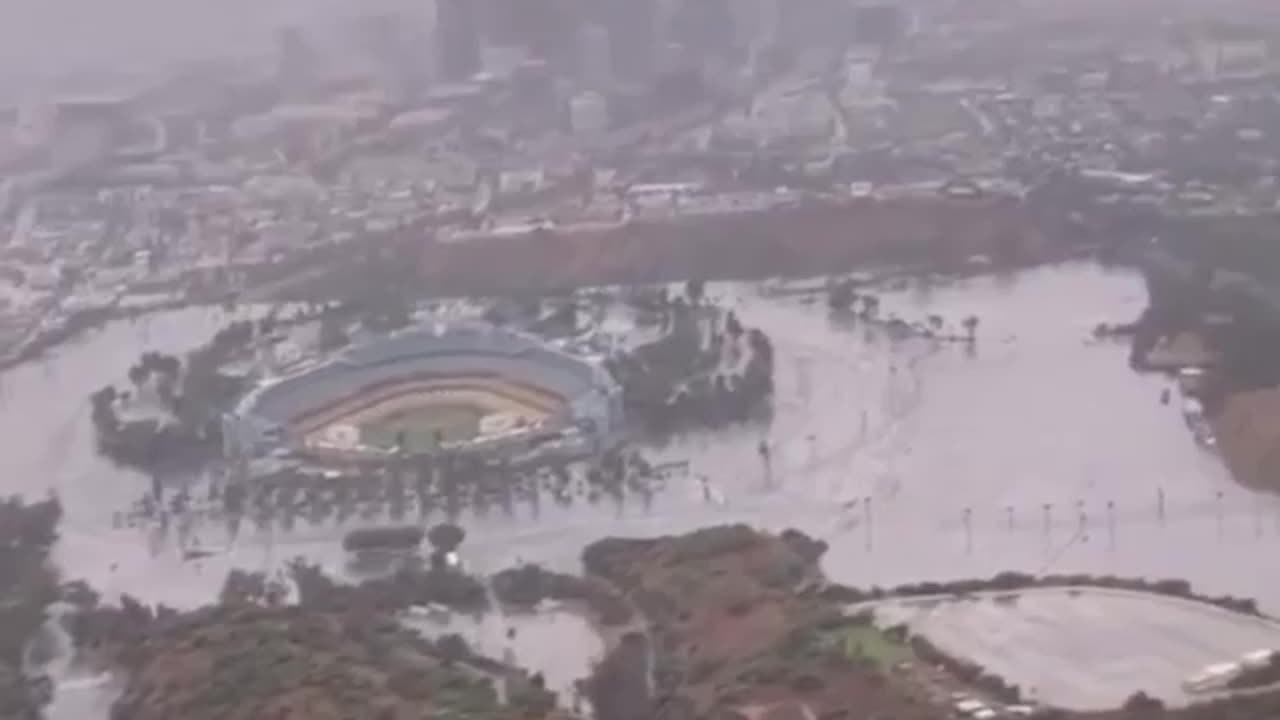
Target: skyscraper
{"type": "Point", "coordinates": [878, 23]}
{"type": "Point", "coordinates": [457, 39]}
{"type": "Point", "coordinates": [547, 29]}
{"type": "Point", "coordinates": [595, 61]}
{"type": "Point", "coordinates": [704, 27]}
{"type": "Point", "coordinates": [295, 57]}
{"type": "Point", "coordinates": [633, 38]}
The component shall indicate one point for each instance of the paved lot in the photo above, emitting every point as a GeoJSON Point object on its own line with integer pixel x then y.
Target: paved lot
{"type": "Point", "coordinates": [1085, 649]}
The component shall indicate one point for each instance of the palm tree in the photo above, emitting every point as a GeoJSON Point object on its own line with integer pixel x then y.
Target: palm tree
{"type": "Point", "coordinates": [695, 290]}
{"type": "Point", "coordinates": [935, 323]}
{"type": "Point", "coordinates": [971, 326]}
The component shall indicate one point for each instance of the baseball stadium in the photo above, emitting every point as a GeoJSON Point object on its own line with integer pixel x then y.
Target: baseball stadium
{"type": "Point", "coordinates": [455, 388]}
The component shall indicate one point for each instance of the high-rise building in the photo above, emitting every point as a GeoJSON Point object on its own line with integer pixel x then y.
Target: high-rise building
{"type": "Point", "coordinates": [768, 19]}
{"type": "Point", "coordinates": [703, 27]}
{"type": "Point", "coordinates": [755, 22]}
{"type": "Point", "coordinates": [633, 38]}
{"type": "Point", "coordinates": [457, 39]}
{"type": "Point", "coordinates": [814, 23]}
{"type": "Point", "coordinates": [595, 62]}
{"type": "Point", "coordinates": [878, 23]}
{"type": "Point", "coordinates": [391, 43]}
{"type": "Point", "coordinates": [296, 58]}
{"type": "Point", "coordinates": [547, 29]}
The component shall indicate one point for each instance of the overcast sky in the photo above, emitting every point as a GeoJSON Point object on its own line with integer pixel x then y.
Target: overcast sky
{"type": "Point", "coordinates": [46, 37]}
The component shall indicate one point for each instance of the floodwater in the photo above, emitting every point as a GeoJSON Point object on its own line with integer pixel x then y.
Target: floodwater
{"type": "Point", "coordinates": [1088, 649]}
{"type": "Point", "coordinates": [79, 693]}
{"type": "Point", "coordinates": [536, 640]}
{"type": "Point", "coordinates": [1037, 449]}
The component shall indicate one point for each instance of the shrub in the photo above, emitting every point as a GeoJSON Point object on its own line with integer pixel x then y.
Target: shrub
{"type": "Point", "coordinates": [704, 669]}
{"type": "Point", "coordinates": [837, 593]}
{"type": "Point", "coordinates": [1141, 703]}
{"type": "Point", "coordinates": [807, 548]}
{"type": "Point", "coordinates": [453, 647]}
{"type": "Point", "coordinates": [741, 606]}
{"type": "Point", "coordinates": [807, 683]}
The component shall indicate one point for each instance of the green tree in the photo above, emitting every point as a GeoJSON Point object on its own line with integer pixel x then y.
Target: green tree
{"type": "Point", "coordinates": [446, 537]}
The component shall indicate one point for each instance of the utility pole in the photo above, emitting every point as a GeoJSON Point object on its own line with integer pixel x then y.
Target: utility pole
{"type": "Point", "coordinates": [1047, 527]}
{"type": "Point", "coordinates": [1218, 513]}
{"type": "Point", "coordinates": [1111, 524]}
{"type": "Point", "coordinates": [866, 513]}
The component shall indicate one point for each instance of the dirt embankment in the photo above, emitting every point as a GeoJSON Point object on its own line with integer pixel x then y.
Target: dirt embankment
{"type": "Point", "coordinates": [1248, 433]}
{"type": "Point", "coordinates": [251, 663]}
{"type": "Point", "coordinates": [738, 630]}
{"type": "Point", "coordinates": [28, 584]}
{"type": "Point", "coordinates": [810, 238]}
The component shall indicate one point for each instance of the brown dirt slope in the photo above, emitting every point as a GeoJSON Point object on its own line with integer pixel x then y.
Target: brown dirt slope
{"type": "Point", "coordinates": [1248, 432]}
{"type": "Point", "coordinates": [737, 621]}
{"type": "Point", "coordinates": [815, 237]}
{"type": "Point", "coordinates": [251, 663]}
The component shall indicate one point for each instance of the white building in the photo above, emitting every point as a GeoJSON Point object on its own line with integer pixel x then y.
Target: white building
{"type": "Point", "coordinates": [35, 125]}
{"type": "Point", "coordinates": [589, 112]}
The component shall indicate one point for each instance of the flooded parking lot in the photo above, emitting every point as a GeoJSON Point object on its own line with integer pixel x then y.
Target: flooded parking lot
{"type": "Point", "coordinates": [1036, 449]}
{"type": "Point", "coordinates": [1087, 649]}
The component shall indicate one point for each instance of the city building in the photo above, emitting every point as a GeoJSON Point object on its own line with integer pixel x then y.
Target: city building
{"type": "Point", "coordinates": [704, 27]}
{"type": "Point", "coordinates": [879, 23]}
{"type": "Point", "coordinates": [395, 45]}
{"type": "Point", "coordinates": [633, 38]}
{"type": "Point", "coordinates": [457, 40]}
{"type": "Point", "coordinates": [546, 29]}
{"type": "Point", "coordinates": [595, 62]}
{"type": "Point", "coordinates": [296, 59]}
{"type": "Point", "coordinates": [589, 112]}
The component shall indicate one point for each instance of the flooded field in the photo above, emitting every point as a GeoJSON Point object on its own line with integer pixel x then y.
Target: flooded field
{"type": "Point", "coordinates": [1087, 649]}
{"type": "Point", "coordinates": [536, 641]}
{"type": "Point", "coordinates": [1036, 449]}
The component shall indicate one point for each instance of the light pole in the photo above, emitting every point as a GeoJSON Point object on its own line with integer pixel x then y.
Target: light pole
{"type": "Point", "coordinates": [866, 514]}
{"type": "Point", "coordinates": [763, 450]}
{"type": "Point", "coordinates": [968, 530]}
{"type": "Point", "coordinates": [802, 379]}
{"type": "Point", "coordinates": [1111, 523]}
{"type": "Point", "coordinates": [1218, 513]}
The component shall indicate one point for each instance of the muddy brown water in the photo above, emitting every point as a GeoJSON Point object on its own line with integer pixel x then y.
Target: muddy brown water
{"type": "Point", "coordinates": [914, 460]}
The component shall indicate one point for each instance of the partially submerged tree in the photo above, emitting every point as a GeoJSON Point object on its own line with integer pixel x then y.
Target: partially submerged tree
{"type": "Point", "coordinates": [446, 537]}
